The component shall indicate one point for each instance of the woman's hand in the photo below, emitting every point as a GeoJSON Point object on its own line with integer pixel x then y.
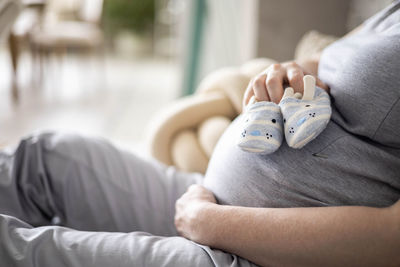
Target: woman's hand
{"type": "Point", "coordinates": [189, 215]}
{"type": "Point", "coordinates": [269, 85]}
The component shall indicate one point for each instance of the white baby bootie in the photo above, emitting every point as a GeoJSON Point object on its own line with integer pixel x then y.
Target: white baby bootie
{"type": "Point", "coordinates": [262, 127]}
{"type": "Point", "coordinates": [304, 118]}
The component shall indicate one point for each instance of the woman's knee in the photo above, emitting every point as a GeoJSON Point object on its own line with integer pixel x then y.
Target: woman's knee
{"type": "Point", "coordinates": [65, 145]}
{"type": "Point", "coordinates": [50, 154]}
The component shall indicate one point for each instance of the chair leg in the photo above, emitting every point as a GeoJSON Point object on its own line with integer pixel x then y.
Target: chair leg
{"type": "Point", "coordinates": [101, 53]}
{"type": "Point", "coordinates": [14, 53]}
{"type": "Point", "coordinates": [43, 60]}
{"type": "Point", "coordinates": [34, 64]}
{"type": "Point", "coordinates": [59, 54]}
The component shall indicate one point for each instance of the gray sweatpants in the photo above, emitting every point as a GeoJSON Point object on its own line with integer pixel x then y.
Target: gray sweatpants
{"type": "Point", "coordinates": [118, 208]}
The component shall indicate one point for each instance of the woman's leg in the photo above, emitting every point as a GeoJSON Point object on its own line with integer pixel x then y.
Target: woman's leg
{"type": "Point", "coordinates": [88, 184]}
{"type": "Point", "coordinates": [49, 246]}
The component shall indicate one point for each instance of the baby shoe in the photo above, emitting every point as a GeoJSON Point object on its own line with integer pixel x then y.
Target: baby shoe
{"type": "Point", "coordinates": [262, 130]}
{"type": "Point", "coordinates": [304, 119]}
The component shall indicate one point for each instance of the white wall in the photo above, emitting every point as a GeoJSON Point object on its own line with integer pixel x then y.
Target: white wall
{"type": "Point", "coordinates": [284, 22]}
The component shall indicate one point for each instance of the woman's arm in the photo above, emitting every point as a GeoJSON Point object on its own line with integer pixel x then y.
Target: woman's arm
{"type": "Point", "coordinates": [328, 236]}
{"type": "Point", "coordinates": [337, 236]}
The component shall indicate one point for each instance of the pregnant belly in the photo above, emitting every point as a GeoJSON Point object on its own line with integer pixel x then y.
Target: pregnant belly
{"type": "Point", "coordinates": [247, 179]}
{"type": "Point", "coordinates": [325, 172]}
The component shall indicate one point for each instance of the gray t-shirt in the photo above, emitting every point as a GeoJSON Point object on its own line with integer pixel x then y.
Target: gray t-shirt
{"type": "Point", "coordinates": [356, 160]}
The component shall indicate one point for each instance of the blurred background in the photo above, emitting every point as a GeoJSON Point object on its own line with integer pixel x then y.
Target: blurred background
{"type": "Point", "coordinates": [106, 67]}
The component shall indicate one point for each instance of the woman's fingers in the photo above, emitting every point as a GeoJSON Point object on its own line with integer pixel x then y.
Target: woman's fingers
{"type": "Point", "coordinates": [256, 88]}
{"type": "Point", "coordinates": [322, 85]}
{"type": "Point", "coordinates": [295, 77]}
{"type": "Point", "coordinates": [259, 88]}
{"type": "Point", "coordinates": [268, 86]}
{"type": "Point", "coordinates": [274, 83]}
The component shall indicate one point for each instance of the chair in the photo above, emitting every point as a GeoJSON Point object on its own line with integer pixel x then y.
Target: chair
{"type": "Point", "coordinates": [9, 11]}
{"type": "Point", "coordinates": [83, 34]}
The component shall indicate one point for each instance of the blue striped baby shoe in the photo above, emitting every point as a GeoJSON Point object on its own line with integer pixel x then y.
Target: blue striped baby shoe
{"type": "Point", "coordinates": [304, 119]}
{"type": "Point", "coordinates": [262, 128]}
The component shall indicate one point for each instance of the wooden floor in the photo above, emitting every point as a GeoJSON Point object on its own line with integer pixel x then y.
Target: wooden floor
{"type": "Point", "coordinates": [114, 98]}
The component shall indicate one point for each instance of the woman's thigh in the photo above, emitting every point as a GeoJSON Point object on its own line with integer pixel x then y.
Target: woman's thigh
{"type": "Point", "coordinates": [21, 245]}
{"type": "Point", "coordinates": [89, 184]}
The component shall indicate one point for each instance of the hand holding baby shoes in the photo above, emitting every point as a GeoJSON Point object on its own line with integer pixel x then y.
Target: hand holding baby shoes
{"type": "Point", "coordinates": [303, 118]}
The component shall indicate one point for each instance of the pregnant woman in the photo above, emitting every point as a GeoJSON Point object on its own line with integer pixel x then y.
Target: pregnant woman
{"type": "Point", "coordinates": [67, 200]}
